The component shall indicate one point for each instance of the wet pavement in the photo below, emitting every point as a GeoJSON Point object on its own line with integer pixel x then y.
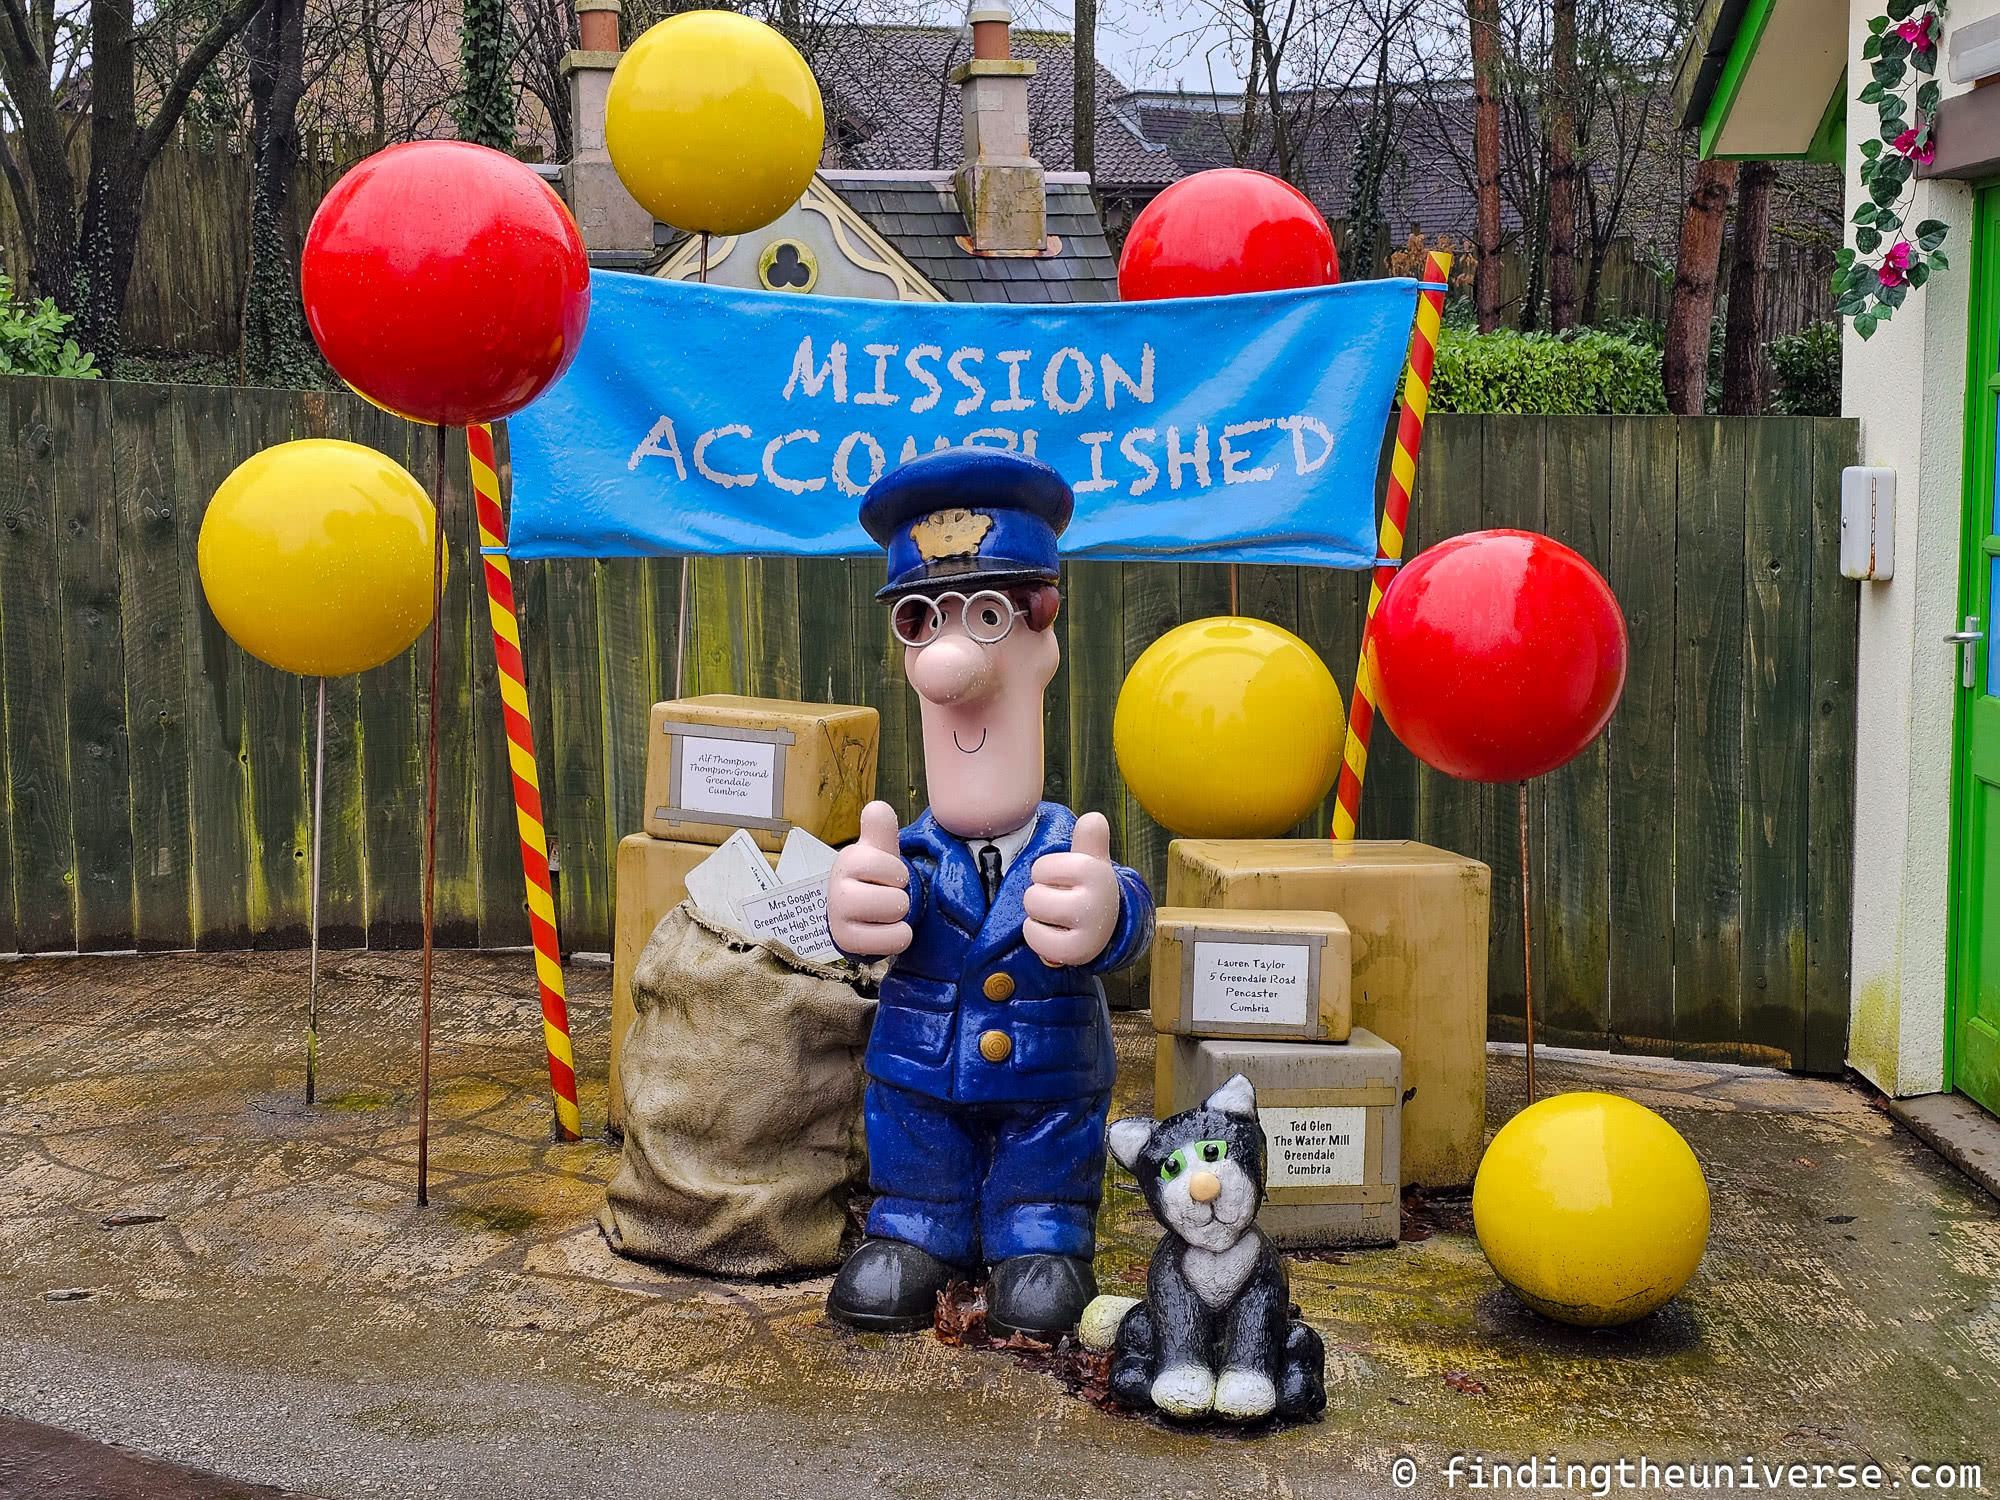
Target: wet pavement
{"type": "Point", "coordinates": [197, 1267]}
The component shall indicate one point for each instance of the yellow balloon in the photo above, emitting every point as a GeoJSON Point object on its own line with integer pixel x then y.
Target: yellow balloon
{"type": "Point", "coordinates": [1592, 1208]}
{"type": "Point", "coordinates": [316, 557]}
{"type": "Point", "coordinates": [1229, 728]}
{"type": "Point", "coordinates": [714, 122]}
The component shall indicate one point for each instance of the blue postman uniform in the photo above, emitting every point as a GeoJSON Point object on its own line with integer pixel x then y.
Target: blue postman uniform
{"type": "Point", "coordinates": [990, 1072]}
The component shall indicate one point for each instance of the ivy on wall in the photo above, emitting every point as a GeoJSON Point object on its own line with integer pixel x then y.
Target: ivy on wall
{"type": "Point", "coordinates": [1889, 256]}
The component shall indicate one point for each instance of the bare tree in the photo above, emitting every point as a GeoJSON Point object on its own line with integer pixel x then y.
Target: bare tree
{"type": "Point", "coordinates": [274, 336]}
{"type": "Point", "coordinates": [1561, 112]}
{"type": "Point", "coordinates": [86, 260]}
{"type": "Point", "coordinates": [548, 33]}
{"type": "Point", "coordinates": [1691, 310]}
{"type": "Point", "coordinates": [1744, 374]}
{"type": "Point", "coordinates": [1083, 88]}
{"type": "Point", "coordinates": [1483, 24]}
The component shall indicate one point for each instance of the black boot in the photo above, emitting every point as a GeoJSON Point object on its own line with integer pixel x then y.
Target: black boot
{"type": "Point", "coordinates": [1039, 1295]}
{"type": "Point", "coordinates": [887, 1286]}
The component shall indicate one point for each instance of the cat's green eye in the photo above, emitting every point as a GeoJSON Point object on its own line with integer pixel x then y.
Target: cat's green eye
{"type": "Point", "coordinates": [1171, 1167]}
{"type": "Point", "coordinates": [1211, 1150]}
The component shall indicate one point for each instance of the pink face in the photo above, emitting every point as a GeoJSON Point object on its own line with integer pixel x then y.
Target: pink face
{"type": "Point", "coordinates": [982, 712]}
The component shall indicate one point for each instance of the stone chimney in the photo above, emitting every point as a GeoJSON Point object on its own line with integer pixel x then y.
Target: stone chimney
{"type": "Point", "coordinates": [612, 222]}
{"type": "Point", "coordinates": [1000, 184]}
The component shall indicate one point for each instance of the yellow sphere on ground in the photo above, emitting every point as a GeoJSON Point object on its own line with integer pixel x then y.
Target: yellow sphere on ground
{"type": "Point", "coordinates": [714, 122]}
{"type": "Point", "coordinates": [1229, 728]}
{"type": "Point", "coordinates": [1592, 1208]}
{"type": "Point", "coordinates": [316, 557]}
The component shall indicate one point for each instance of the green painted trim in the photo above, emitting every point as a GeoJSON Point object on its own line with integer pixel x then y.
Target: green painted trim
{"type": "Point", "coordinates": [1976, 500]}
{"type": "Point", "coordinates": [1741, 51]}
{"type": "Point", "coordinates": [1829, 142]}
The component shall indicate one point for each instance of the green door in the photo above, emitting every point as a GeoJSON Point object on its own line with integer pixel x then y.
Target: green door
{"type": "Point", "coordinates": [1975, 980]}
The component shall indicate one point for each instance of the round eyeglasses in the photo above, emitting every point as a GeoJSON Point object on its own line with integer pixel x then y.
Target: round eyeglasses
{"type": "Point", "coordinates": [989, 616]}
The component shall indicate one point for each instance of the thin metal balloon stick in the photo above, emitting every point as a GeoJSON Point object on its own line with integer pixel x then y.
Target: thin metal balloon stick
{"type": "Point", "coordinates": [1527, 949]}
{"type": "Point", "coordinates": [312, 969]}
{"type": "Point", "coordinates": [681, 613]}
{"type": "Point", "coordinates": [430, 827]}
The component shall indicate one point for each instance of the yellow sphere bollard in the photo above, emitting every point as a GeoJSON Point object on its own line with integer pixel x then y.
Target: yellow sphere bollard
{"type": "Point", "coordinates": [1229, 728]}
{"type": "Point", "coordinates": [1592, 1208]}
{"type": "Point", "coordinates": [315, 556]}
{"type": "Point", "coordinates": [714, 122]}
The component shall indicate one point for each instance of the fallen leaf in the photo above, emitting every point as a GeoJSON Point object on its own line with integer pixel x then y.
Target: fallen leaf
{"type": "Point", "coordinates": [1464, 1384]}
{"type": "Point", "coordinates": [1840, 1218]}
{"type": "Point", "coordinates": [70, 1293]}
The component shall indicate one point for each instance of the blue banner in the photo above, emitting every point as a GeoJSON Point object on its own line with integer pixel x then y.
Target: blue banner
{"type": "Point", "coordinates": [707, 420]}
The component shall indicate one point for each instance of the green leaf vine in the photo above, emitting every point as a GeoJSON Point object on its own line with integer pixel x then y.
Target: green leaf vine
{"type": "Point", "coordinates": [1889, 257]}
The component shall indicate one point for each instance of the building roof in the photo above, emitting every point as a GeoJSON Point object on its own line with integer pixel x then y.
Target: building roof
{"type": "Point", "coordinates": [891, 105]}
{"type": "Point", "coordinates": [917, 213]}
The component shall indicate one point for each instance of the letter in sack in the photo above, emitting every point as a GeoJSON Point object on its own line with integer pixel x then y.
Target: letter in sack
{"type": "Point", "coordinates": [990, 1064]}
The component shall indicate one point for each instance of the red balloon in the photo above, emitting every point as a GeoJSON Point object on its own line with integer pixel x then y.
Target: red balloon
{"type": "Point", "coordinates": [1498, 655]}
{"type": "Point", "coordinates": [1223, 231]}
{"type": "Point", "coordinates": [446, 282]}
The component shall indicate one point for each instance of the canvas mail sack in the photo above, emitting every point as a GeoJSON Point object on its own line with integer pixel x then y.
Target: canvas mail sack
{"type": "Point", "coordinates": [742, 1081]}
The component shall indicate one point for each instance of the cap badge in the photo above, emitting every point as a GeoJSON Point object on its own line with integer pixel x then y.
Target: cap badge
{"type": "Point", "coordinates": [950, 533]}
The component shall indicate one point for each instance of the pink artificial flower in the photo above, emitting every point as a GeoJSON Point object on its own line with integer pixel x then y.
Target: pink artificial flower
{"type": "Point", "coordinates": [1895, 265]}
{"type": "Point", "coordinates": [1906, 145]}
{"type": "Point", "coordinates": [1918, 32]}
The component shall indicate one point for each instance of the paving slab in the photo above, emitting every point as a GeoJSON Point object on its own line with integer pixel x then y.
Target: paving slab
{"type": "Point", "coordinates": [195, 1265]}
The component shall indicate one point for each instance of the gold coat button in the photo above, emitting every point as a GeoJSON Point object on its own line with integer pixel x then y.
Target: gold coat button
{"type": "Point", "coordinates": [995, 1046]}
{"type": "Point", "coordinates": [999, 987]}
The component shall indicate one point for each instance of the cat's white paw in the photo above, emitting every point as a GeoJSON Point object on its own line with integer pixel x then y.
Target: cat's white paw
{"type": "Point", "coordinates": [1184, 1391]}
{"type": "Point", "coordinates": [1245, 1394]}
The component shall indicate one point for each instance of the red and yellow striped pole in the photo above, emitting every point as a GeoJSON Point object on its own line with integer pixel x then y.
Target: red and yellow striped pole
{"type": "Point", "coordinates": [1395, 519]}
{"type": "Point", "coordinates": [527, 788]}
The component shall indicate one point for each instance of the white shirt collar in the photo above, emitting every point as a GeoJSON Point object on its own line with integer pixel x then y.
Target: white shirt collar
{"type": "Point", "coordinates": [1009, 844]}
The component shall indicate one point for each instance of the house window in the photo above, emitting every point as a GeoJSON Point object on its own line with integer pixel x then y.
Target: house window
{"type": "Point", "coordinates": [787, 266]}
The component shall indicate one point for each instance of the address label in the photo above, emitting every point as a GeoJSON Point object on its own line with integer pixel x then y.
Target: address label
{"type": "Point", "coordinates": [735, 778]}
{"type": "Point", "coordinates": [1239, 984]}
{"type": "Point", "coordinates": [1310, 1147]}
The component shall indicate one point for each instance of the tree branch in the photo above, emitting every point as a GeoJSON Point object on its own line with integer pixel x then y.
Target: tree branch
{"type": "Point", "coordinates": [174, 103]}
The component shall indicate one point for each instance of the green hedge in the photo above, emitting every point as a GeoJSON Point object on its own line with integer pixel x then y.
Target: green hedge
{"type": "Point", "coordinates": [1805, 372]}
{"type": "Point", "coordinates": [1585, 373]}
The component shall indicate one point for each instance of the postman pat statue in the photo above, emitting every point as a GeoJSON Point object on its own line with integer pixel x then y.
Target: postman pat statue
{"type": "Point", "coordinates": [990, 1064]}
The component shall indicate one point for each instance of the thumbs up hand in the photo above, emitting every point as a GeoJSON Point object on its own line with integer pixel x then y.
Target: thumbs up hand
{"type": "Point", "coordinates": [868, 891]}
{"type": "Point", "coordinates": [1073, 903]}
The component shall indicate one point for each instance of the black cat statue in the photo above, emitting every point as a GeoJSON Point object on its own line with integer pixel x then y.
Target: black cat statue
{"type": "Point", "coordinates": [1214, 1336]}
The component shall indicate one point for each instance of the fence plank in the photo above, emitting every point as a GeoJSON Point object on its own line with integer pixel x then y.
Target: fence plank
{"type": "Point", "coordinates": [1513, 497]}
{"type": "Point", "coordinates": [1708, 719]}
{"type": "Point", "coordinates": [576, 800]}
{"type": "Point", "coordinates": [1152, 603]}
{"type": "Point", "coordinates": [392, 747]}
{"type": "Point", "coordinates": [1095, 606]}
{"type": "Point", "coordinates": [86, 486]}
{"type": "Point", "coordinates": [1829, 890]}
{"type": "Point", "coordinates": [10, 479]}
{"type": "Point", "coordinates": [1639, 745]}
{"type": "Point", "coordinates": [275, 745]}
{"type": "Point", "coordinates": [155, 607]}
{"type": "Point", "coordinates": [343, 908]}
{"type": "Point", "coordinates": [1572, 861]}
{"type": "Point", "coordinates": [496, 842]}
{"type": "Point", "coordinates": [1451, 470]}
{"type": "Point", "coordinates": [1777, 722]}
{"type": "Point", "coordinates": [204, 453]}
{"type": "Point", "coordinates": [38, 768]}
{"type": "Point", "coordinates": [457, 910]}
{"type": "Point", "coordinates": [627, 645]}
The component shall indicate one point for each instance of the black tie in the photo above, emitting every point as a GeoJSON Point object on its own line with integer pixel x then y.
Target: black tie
{"type": "Point", "coordinates": [989, 870]}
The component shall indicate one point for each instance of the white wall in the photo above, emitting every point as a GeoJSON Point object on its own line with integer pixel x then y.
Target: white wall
{"type": "Point", "coordinates": [1907, 386]}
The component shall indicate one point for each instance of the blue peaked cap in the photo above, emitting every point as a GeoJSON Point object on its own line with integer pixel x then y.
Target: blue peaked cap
{"type": "Point", "coordinates": [959, 517]}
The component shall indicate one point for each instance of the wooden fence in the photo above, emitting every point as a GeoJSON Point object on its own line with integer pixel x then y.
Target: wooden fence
{"type": "Point", "coordinates": [1690, 871]}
